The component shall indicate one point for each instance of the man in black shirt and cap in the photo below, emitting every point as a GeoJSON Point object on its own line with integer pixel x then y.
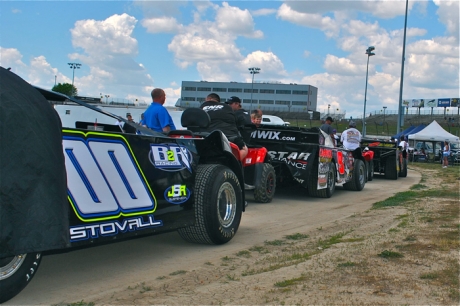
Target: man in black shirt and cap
{"type": "Point", "coordinates": [243, 118]}
{"type": "Point", "coordinates": [223, 118]}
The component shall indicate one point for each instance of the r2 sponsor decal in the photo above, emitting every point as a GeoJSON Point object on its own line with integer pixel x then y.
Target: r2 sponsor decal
{"type": "Point", "coordinates": [170, 157]}
{"type": "Point", "coordinates": [177, 194]}
{"type": "Point", "coordinates": [105, 229]}
{"type": "Point", "coordinates": [104, 180]}
{"type": "Point", "coordinates": [271, 135]}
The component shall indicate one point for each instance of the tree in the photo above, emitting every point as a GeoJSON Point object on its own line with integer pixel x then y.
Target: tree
{"type": "Point", "coordinates": [66, 89]}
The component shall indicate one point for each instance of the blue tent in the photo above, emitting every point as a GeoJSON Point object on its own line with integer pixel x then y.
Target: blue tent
{"type": "Point", "coordinates": [407, 131]}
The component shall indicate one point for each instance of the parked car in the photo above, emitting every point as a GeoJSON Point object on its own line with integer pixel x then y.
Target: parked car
{"type": "Point", "coordinates": [113, 186]}
{"type": "Point", "coordinates": [273, 120]}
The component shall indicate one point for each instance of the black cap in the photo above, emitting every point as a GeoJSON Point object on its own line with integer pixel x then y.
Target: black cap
{"type": "Point", "coordinates": [233, 99]}
{"type": "Point", "coordinates": [330, 119]}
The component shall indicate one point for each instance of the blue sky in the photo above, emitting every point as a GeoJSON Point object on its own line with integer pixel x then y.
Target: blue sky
{"type": "Point", "coordinates": [127, 48]}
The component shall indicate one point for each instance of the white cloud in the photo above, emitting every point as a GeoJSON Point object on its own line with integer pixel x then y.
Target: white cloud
{"type": "Point", "coordinates": [342, 66]}
{"type": "Point", "coordinates": [448, 13]}
{"type": "Point", "coordinates": [109, 51]}
{"type": "Point", "coordinates": [37, 72]}
{"type": "Point", "coordinates": [324, 23]}
{"type": "Point", "coordinates": [263, 12]}
{"type": "Point", "coordinates": [110, 36]}
{"type": "Point", "coordinates": [16, 11]}
{"type": "Point", "coordinates": [161, 25]}
{"type": "Point", "coordinates": [233, 20]}
{"type": "Point", "coordinates": [11, 57]}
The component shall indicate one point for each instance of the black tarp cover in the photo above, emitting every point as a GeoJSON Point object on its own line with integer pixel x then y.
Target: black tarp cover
{"type": "Point", "coordinates": [33, 184]}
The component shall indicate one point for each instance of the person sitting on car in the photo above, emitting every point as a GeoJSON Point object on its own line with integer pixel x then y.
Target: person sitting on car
{"type": "Point", "coordinates": [351, 137]}
{"type": "Point", "coordinates": [224, 119]}
{"type": "Point", "coordinates": [256, 117]}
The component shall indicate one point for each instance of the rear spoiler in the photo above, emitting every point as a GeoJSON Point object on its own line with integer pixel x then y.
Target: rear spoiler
{"type": "Point", "coordinates": [57, 96]}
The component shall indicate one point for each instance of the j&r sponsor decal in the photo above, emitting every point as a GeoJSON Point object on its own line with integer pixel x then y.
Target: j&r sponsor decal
{"type": "Point", "coordinates": [177, 194]}
{"type": "Point", "coordinates": [170, 157]}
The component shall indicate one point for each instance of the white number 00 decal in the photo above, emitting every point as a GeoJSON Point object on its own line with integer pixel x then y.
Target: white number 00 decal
{"type": "Point", "coordinates": [103, 181]}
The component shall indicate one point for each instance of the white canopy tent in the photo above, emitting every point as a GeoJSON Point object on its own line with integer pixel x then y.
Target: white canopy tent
{"type": "Point", "coordinates": [434, 133]}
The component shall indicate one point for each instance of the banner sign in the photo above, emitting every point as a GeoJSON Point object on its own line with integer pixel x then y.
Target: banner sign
{"type": "Point", "coordinates": [432, 103]}
{"type": "Point", "coordinates": [444, 102]}
{"type": "Point", "coordinates": [454, 102]}
{"type": "Point", "coordinates": [418, 103]}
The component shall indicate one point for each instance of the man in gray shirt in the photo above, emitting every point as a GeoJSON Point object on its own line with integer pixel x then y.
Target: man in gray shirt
{"type": "Point", "coordinates": [328, 129]}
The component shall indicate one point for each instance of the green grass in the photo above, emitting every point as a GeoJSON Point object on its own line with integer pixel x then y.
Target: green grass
{"type": "Point", "coordinates": [244, 253]}
{"type": "Point", "coordinates": [390, 254]}
{"type": "Point", "coordinates": [296, 236]}
{"type": "Point", "coordinates": [290, 282]}
{"type": "Point", "coordinates": [178, 272]}
{"type": "Point", "coordinates": [397, 200]}
{"type": "Point", "coordinates": [274, 242]}
{"type": "Point", "coordinates": [333, 240]}
{"type": "Point", "coordinates": [346, 264]}
{"type": "Point", "coordinates": [81, 303]}
{"type": "Point", "coordinates": [418, 187]}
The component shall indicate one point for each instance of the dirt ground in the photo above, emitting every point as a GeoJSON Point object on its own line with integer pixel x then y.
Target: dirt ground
{"type": "Point", "coordinates": [405, 254]}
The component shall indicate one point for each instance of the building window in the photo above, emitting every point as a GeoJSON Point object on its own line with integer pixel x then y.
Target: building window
{"type": "Point", "coordinates": [189, 89]}
{"type": "Point", "coordinates": [235, 90]}
{"type": "Point", "coordinates": [220, 89]}
{"type": "Point", "coordinates": [67, 111]}
{"type": "Point", "coordinates": [268, 91]}
{"type": "Point", "coordinates": [188, 98]}
{"type": "Point", "coordinates": [253, 91]}
{"type": "Point", "coordinates": [300, 92]}
{"type": "Point", "coordinates": [282, 102]}
{"type": "Point", "coordinates": [299, 102]}
{"type": "Point", "coordinates": [248, 101]}
{"type": "Point", "coordinates": [203, 89]}
{"type": "Point", "coordinates": [283, 92]}
{"type": "Point", "coordinates": [265, 101]}
{"type": "Point", "coordinates": [200, 99]}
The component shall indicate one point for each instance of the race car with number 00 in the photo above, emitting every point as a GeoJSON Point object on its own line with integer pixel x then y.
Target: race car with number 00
{"type": "Point", "coordinates": [118, 186]}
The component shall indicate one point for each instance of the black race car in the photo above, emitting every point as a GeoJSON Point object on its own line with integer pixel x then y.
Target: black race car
{"type": "Point", "coordinates": [307, 157]}
{"type": "Point", "coordinates": [92, 184]}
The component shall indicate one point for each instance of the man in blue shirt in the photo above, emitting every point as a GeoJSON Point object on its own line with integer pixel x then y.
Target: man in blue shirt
{"type": "Point", "coordinates": [156, 116]}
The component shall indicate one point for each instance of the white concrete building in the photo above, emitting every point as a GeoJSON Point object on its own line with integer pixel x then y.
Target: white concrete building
{"type": "Point", "coordinates": [266, 96]}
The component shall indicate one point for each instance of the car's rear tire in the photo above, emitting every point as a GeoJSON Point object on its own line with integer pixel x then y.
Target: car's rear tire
{"type": "Point", "coordinates": [358, 179]}
{"type": "Point", "coordinates": [370, 171]}
{"type": "Point", "coordinates": [218, 206]}
{"type": "Point", "coordinates": [403, 167]}
{"type": "Point", "coordinates": [265, 189]}
{"type": "Point", "coordinates": [327, 192]}
{"type": "Point", "coordinates": [16, 272]}
{"type": "Point", "coordinates": [391, 172]}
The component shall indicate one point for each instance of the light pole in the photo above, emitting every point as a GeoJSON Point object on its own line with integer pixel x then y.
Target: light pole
{"type": "Point", "coordinates": [384, 109]}
{"type": "Point", "coordinates": [106, 98]}
{"type": "Point", "coordinates": [311, 114]}
{"type": "Point", "coordinates": [253, 70]}
{"type": "Point", "coordinates": [73, 66]}
{"type": "Point", "coordinates": [328, 107]}
{"type": "Point", "coordinates": [400, 107]}
{"type": "Point", "coordinates": [369, 54]}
